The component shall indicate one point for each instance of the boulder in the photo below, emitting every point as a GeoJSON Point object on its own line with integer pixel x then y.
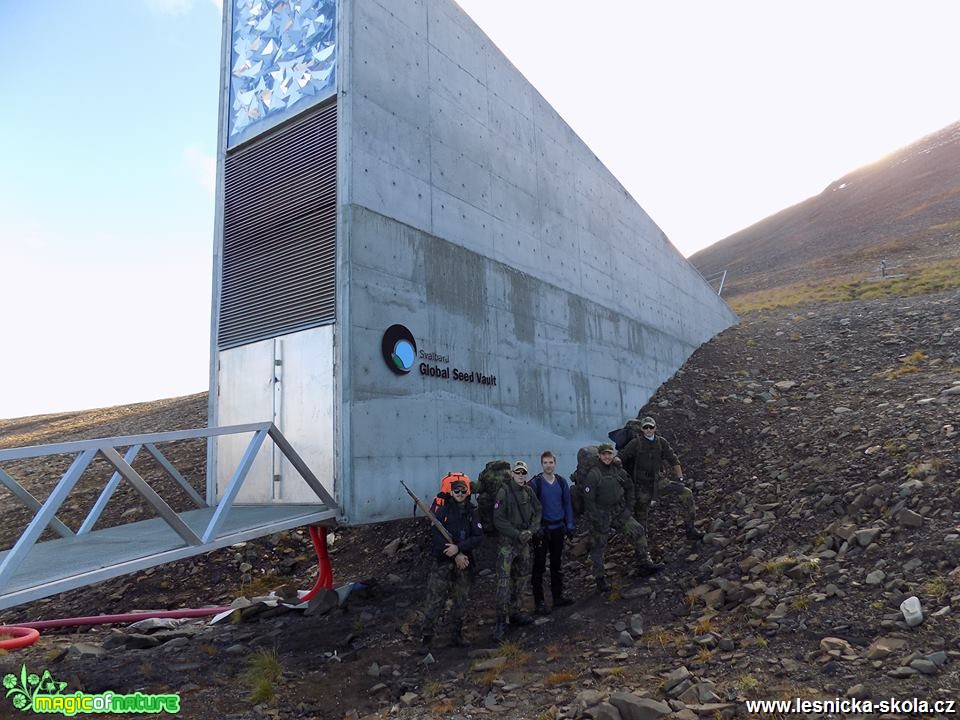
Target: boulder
{"type": "Point", "coordinates": [603, 711]}
{"type": "Point", "coordinates": [632, 707]}
{"type": "Point", "coordinates": [714, 599]}
{"type": "Point", "coordinates": [837, 644]}
{"type": "Point", "coordinates": [675, 678]}
{"type": "Point", "coordinates": [884, 647]}
{"type": "Point", "coordinates": [85, 651]}
{"type": "Point", "coordinates": [588, 698]}
{"type": "Point", "coordinates": [323, 602]}
{"type": "Point", "coordinates": [924, 666]}
{"type": "Point", "coordinates": [866, 536]}
{"type": "Point", "coordinates": [908, 518]}
{"type": "Point", "coordinates": [494, 663]}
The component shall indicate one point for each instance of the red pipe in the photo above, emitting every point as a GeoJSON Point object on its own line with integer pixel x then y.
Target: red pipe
{"type": "Point", "coordinates": [26, 633]}
{"type": "Point", "coordinates": [17, 637]}
{"type": "Point", "coordinates": [324, 570]}
{"type": "Point", "coordinates": [122, 618]}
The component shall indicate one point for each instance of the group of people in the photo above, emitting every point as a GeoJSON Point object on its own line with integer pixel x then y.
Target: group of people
{"type": "Point", "coordinates": [534, 518]}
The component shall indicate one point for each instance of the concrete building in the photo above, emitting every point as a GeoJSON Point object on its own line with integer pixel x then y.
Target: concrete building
{"type": "Point", "coordinates": [419, 266]}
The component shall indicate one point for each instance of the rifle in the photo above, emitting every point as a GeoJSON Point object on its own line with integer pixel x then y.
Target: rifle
{"type": "Point", "coordinates": [426, 511]}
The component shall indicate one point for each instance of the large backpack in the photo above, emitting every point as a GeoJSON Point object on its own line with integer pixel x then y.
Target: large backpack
{"type": "Point", "coordinates": [489, 481]}
{"type": "Point", "coordinates": [447, 482]}
{"type": "Point", "coordinates": [622, 437]}
{"type": "Point", "coordinates": [587, 459]}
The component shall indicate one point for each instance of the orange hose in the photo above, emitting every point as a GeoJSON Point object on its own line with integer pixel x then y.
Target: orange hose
{"type": "Point", "coordinates": [17, 637]}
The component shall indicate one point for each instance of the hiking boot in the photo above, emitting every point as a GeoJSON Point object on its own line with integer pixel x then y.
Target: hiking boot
{"type": "Point", "coordinates": [563, 601]}
{"type": "Point", "coordinates": [648, 567]}
{"type": "Point", "coordinates": [541, 609]}
{"type": "Point", "coordinates": [694, 535]}
{"type": "Point", "coordinates": [602, 585]}
{"type": "Point", "coordinates": [457, 639]}
{"type": "Point", "coordinates": [520, 618]}
{"type": "Point", "coordinates": [500, 629]}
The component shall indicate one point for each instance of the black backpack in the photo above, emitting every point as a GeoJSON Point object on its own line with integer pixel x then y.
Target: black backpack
{"type": "Point", "coordinates": [587, 459]}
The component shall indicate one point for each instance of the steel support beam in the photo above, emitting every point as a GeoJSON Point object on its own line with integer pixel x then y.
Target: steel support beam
{"type": "Point", "coordinates": [47, 512]}
{"type": "Point", "coordinates": [31, 502]}
{"type": "Point", "coordinates": [239, 475]}
{"type": "Point", "coordinates": [123, 441]}
{"type": "Point", "coordinates": [150, 495]}
{"type": "Point", "coordinates": [106, 493]}
{"type": "Point", "coordinates": [305, 472]}
{"type": "Point", "coordinates": [214, 529]}
{"type": "Point", "coordinates": [175, 474]}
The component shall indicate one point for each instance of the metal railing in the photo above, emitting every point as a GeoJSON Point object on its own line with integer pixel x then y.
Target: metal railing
{"type": "Point", "coordinates": [722, 275]}
{"type": "Point", "coordinates": [45, 514]}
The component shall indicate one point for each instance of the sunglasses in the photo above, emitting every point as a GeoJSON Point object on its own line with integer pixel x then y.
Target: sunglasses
{"type": "Point", "coordinates": [648, 427]}
{"type": "Point", "coordinates": [519, 472]}
{"type": "Point", "coordinates": [458, 492]}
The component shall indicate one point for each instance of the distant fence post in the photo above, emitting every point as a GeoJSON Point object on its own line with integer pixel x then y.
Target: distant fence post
{"type": "Point", "coordinates": [710, 278]}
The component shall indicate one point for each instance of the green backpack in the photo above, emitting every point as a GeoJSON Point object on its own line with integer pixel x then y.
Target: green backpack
{"type": "Point", "coordinates": [489, 481]}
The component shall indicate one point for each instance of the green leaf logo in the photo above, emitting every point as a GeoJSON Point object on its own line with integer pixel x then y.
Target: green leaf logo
{"type": "Point", "coordinates": [25, 688]}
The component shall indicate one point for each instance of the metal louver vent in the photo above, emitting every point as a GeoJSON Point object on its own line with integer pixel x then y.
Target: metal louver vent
{"type": "Point", "coordinates": [279, 233]}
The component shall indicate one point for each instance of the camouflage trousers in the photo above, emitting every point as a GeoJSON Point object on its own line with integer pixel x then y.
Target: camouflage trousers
{"type": "Point", "coordinates": [514, 562]}
{"type": "Point", "coordinates": [602, 522]}
{"type": "Point", "coordinates": [445, 580]}
{"type": "Point", "coordinates": [645, 495]}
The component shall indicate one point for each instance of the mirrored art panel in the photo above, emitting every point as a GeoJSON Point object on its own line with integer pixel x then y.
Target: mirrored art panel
{"type": "Point", "coordinates": [284, 58]}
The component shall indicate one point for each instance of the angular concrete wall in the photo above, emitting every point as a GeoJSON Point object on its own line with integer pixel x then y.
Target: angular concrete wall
{"type": "Point", "coordinates": [473, 215]}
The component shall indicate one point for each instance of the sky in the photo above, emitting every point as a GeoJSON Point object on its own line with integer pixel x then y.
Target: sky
{"type": "Point", "coordinates": [712, 115]}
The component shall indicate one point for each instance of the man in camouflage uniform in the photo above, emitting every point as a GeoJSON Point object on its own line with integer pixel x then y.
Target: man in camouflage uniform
{"type": "Point", "coordinates": [516, 514]}
{"type": "Point", "coordinates": [644, 457]}
{"type": "Point", "coordinates": [608, 498]}
{"type": "Point", "coordinates": [450, 566]}
{"type": "Point", "coordinates": [495, 475]}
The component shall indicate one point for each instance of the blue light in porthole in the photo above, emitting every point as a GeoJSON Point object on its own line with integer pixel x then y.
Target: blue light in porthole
{"type": "Point", "coordinates": [403, 355]}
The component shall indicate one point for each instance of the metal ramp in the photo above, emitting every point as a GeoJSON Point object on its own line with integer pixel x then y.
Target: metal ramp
{"type": "Point", "coordinates": [31, 570]}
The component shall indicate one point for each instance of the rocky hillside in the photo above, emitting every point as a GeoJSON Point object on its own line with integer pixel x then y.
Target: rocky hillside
{"type": "Point", "coordinates": [904, 208]}
{"type": "Point", "coordinates": [822, 445]}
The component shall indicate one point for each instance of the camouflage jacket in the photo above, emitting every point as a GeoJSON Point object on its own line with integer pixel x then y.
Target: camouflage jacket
{"type": "Point", "coordinates": [515, 510]}
{"type": "Point", "coordinates": [644, 458]}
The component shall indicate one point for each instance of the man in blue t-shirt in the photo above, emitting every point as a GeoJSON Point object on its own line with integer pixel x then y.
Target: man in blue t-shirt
{"type": "Point", "coordinates": [553, 491]}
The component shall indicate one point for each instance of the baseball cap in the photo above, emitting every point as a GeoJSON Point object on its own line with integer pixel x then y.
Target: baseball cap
{"type": "Point", "coordinates": [647, 421]}
{"type": "Point", "coordinates": [520, 465]}
{"type": "Point", "coordinates": [605, 447]}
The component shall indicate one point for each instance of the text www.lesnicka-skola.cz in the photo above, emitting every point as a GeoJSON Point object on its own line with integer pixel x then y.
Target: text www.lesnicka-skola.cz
{"type": "Point", "coordinates": [854, 706]}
